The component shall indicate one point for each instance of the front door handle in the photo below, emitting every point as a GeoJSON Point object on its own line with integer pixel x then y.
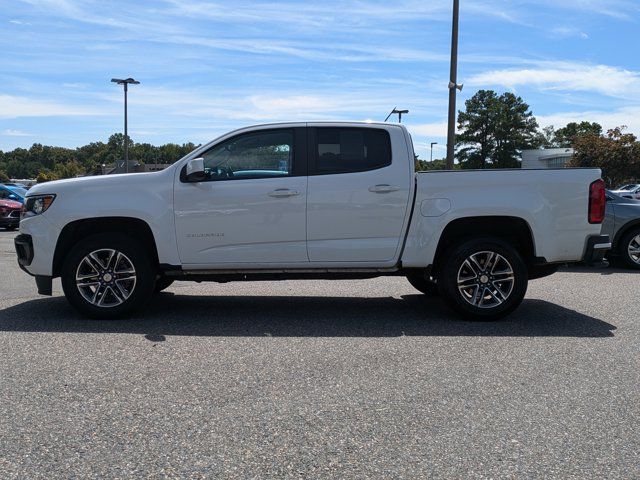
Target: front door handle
{"type": "Point", "coordinates": [284, 193]}
{"type": "Point", "coordinates": [384, 188]}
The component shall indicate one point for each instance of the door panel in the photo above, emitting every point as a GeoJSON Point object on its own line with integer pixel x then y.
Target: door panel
{"type": "Point", "coordinates": [252, 208]}
{"type": "Point", "coordinates": [241, 221]}
{"type": "Point", "coordinates": [356, 216]}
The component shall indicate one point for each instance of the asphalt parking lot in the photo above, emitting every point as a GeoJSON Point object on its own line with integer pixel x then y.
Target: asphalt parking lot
{"type": "Point", "coordinates": [349, 379]}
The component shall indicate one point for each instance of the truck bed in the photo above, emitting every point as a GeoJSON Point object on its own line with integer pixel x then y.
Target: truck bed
{"type": "Point", "coordinates": [554, 203]}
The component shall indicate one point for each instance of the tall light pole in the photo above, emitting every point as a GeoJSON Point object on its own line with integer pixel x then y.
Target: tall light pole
{"type": "Point", "coordinates": [432, 144]}
{"type": "Point", "coordinates": [453, 86]}
{"type": "Point", "coordinates": [126, 83]}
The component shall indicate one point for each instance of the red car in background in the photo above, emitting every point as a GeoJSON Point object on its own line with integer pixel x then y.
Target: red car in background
{"type": "Point", "coordinates": [9, 214]}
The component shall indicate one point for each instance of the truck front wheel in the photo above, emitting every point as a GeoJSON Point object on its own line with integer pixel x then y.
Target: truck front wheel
{"type": "Point", "coordinates": [107, 276]}
{"type": "Point", "coordinates": [483, 279]}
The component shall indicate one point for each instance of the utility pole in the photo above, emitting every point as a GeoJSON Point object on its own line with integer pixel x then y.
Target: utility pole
{"type": "Point", "coordinates": [453, 86]}
{"type": "Point", "coordinates": [125, 82]}
{"type": "Point", "coordinates": [432, 144]}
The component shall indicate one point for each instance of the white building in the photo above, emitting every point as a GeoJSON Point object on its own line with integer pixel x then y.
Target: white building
{"type": "Point", "coordinates": [546, 158]}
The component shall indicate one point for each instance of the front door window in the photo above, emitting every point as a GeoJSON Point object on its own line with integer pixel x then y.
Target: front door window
{"type": "Point", "coordinates": [265, 154]}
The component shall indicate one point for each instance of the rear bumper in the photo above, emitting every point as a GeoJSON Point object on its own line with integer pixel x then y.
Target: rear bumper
{"type": "Point", "coordinates": [597, 247]}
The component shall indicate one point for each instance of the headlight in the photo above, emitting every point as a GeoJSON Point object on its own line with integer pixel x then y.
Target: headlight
{"type": "Point", "coordinates": [37, 204]}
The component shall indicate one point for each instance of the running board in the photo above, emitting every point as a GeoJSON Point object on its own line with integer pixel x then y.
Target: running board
{"type": "Point", "coordinates": [280, 274]}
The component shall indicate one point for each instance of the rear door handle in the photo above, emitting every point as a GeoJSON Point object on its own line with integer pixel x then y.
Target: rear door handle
{"type": "Point", "coordinates": [283, 193]}
{"type": "Point", "coordinates": [383, 188]}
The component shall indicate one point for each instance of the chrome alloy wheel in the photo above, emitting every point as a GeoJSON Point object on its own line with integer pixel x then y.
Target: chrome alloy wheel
{"type": "Point", "coordinates": [486, 279]}
{"type": "Point", "coordinates": [106, 278]}
{"type": "Point", "coordinates": [634, 249]}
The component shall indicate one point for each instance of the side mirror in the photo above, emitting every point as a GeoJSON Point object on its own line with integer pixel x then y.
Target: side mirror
{"type": "Point", "coordinates": [13, 196]}
{"type": "Point", "coordinates": [195, 170]}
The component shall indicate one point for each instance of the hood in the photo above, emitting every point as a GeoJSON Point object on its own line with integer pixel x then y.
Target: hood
{"type": "Point", "coordinates": [10, 204]}
{"type": "Point", "coordinates": [118, 182]}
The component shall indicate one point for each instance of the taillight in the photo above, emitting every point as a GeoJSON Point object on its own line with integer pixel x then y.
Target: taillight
{"type": "Point", "coordinates": [597, 202]}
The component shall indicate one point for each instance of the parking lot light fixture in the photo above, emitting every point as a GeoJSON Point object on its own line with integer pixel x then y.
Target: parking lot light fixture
{"type": "Point", "coordinates": [125, 82]}
{"type": "Point", "coordinates": [396, 111]}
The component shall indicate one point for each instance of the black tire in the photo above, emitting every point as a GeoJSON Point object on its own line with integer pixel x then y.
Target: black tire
{"type": "Point", "coordinates": [423, 284]}
{"type": "Point", "coordinates": [162, 284]}
{"type": "Point", "coordinates": [132, 253]}
{"type": "Point", "coordinates": [497, 286]}
{"type": "Point", "coordinates": [630, 239]}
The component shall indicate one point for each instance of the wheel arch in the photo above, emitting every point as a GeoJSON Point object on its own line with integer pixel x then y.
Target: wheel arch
{"type": "Point", "coordinates": [630, 225]}
{"type": "Point", "coordinates": [78, 230]}
{"type": "Point", "coordinates": [515, 230]}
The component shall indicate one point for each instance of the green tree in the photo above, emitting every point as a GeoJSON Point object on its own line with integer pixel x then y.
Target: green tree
{"type": "Point", "coordinates": [45, 176]}
{"type": "Point", "coordinates": [438, 164]}
{"type": "Point", "coordinates": [567, 136]}
{"type": "Point", "coordinates": [4, 177]}
{"type": "Point", "coordinates": [494, 129]}
{"type": "Point", "coordinates": [115, 148]}
{"type": "Point", "coordinates": [70, 169]}
{"type": "Point", "coordinates": [617, 153]}
{"type": "Point", "coordinates": [547, 137]}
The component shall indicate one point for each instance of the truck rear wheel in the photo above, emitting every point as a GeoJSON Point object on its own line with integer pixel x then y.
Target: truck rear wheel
{"type": "Point", "coordinates": [107, 276]}
{"type": "Point", "coordinates": [483, 279]}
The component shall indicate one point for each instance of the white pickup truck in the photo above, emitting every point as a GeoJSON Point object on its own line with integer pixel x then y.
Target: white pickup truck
{"type": "Point", "coordinates": [310, 201]}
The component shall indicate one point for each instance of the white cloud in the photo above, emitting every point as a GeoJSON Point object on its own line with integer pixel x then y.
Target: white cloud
{"type": "Point", "coordinates": [325, 51]}
{"type": "Point", "coordinates": [618, 9]}
{"type": "Point", "coordinates": [272, 105]}
{"type": "Point", "coordinates": [566, 31]}
{"type": "Point", "coordinates": [15, 107]}
{"type": "Point", "coordinates": [629, 116]}
{"type": "Point", "coordinates": [251, 61]}
{"type": "Point", "coordinates": [323, 15]}
{"type": "Point", "coordinates": [565, 76]}
{"type": "Point", "coordinates": [15, 133]}
{"type": "Point", "coordinates": [430, 130]}
{"type": "Point", "coordinates": [75, 85]}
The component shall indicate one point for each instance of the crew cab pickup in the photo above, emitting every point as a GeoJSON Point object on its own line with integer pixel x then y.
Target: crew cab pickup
{"type": "Point", "coordinates": [310, 201]}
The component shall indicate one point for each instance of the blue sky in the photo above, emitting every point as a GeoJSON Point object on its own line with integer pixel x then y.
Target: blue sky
{"type": "Point", "coordinates": [209, 66]}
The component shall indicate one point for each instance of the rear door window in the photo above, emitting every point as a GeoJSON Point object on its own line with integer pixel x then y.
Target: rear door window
{"type": "Point", "coordinates": [345, 150]}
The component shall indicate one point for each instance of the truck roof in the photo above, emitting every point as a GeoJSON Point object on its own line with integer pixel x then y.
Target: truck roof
{"type": "Point", "coordinates": [325, 122]}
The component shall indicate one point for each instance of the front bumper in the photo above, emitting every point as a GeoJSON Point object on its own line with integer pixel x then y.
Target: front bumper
{"type": "Point", "coordinates": [38, 238]}
{"type": "Point", "coordinates": [597, 247]}
{"type": "Point", "coordinates": [24, 249]}
{"type": "Point", "coordinates": [10, 222]}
